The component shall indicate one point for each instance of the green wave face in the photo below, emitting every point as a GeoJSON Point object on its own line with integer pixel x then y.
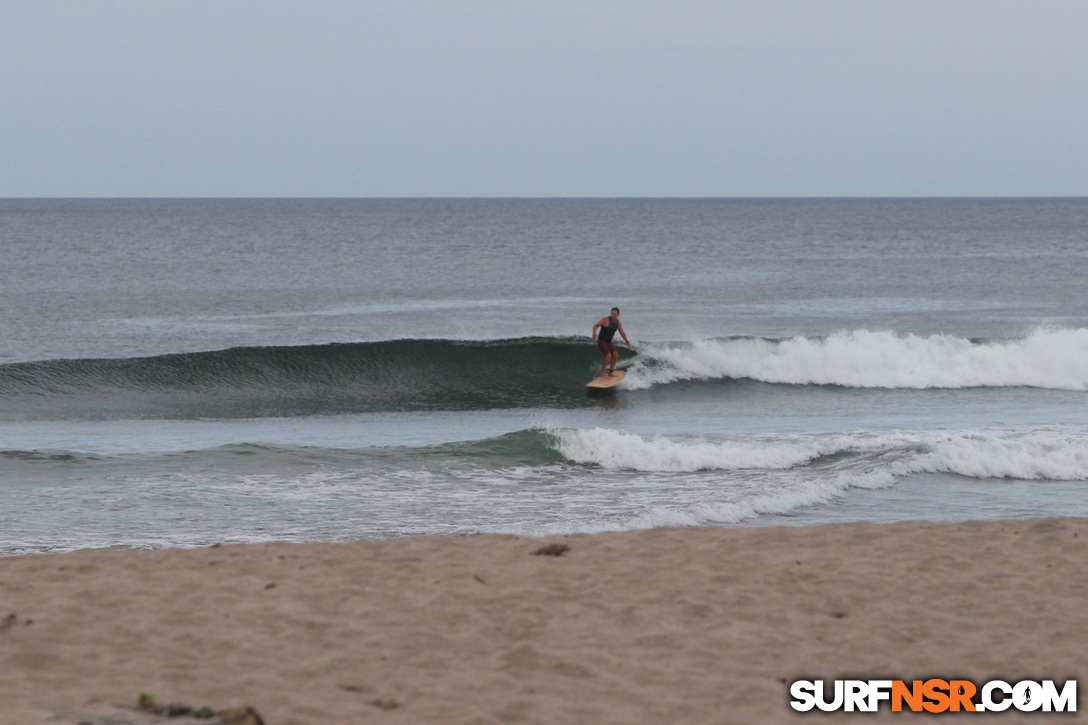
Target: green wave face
{"type": "Point", "coordinates": [397, 375]}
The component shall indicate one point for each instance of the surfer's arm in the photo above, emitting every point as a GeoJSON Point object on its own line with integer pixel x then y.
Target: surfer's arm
{"type": "Point", "coordinates": [624, 334]}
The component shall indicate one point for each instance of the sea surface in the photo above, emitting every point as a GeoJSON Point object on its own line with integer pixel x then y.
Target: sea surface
{"type": "Point", "coordinates": [187, 372]}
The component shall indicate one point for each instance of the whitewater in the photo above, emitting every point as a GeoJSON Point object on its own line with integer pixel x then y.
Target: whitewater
{"type": "Point", "coordinates": [1048, 358]}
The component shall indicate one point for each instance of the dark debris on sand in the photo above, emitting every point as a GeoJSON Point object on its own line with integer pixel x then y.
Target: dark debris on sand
{"type": "Point", "coordinates": [552, 550]}
{"type": "Point", "coordinates": [147, 712]}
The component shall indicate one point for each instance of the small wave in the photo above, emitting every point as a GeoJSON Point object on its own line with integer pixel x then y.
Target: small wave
{"type": "Point", "coordinates": [529, 448]}
{"type": "Point", "coordinates": [532, 480]}
{"type": "Point", "coordinates": [1028, 455]}
{"type": "Point", "coordinates": [1031, 456]}
{"type": "Point", "coordinates": [779, 502]}
{"type": "Point", "coordinates": [613, 449]}
{"type": "Point", "coordinates": [1056, 359]}
{"type": "Point", "coordinates": [48, 456]}
{"type": "Point", "coordinates": [728, 482]}
{"type": "Point", "coordinates": [863, 457]}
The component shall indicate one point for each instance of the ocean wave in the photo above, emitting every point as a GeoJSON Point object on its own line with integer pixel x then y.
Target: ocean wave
{"type": "Point", "coordinates": [869, 458]}
{"type": "Point", "coordinates": [48, 456]}
{"type": "Point", "coordinates": [394, 375]}
{"type": "Point", "coordinates": [865, 457]}
{"type": "Point", "coordinates": [529, 481]}
{"type": "Point", "coordinates": [1027, 456]}
{"type": "Point", "coordinates": [744, 479]}
{"type": "Point", "coordinates": [782, 501]}
{"type": "Point", "coordinates": [416, 375]}
{"type": "Point", "coordinates": [531, 447]}
{"type": "Point", "coordinates": [616, 450]}
{"type": "Point", "coordinates": [1056, 359]}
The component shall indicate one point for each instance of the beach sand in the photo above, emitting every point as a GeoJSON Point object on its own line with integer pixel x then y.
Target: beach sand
{"type": "Point", "coordinates": [701, 625]}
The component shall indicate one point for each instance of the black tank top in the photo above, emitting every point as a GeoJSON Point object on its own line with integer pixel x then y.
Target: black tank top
{"type": "Point", "coordinates": [608, 331]}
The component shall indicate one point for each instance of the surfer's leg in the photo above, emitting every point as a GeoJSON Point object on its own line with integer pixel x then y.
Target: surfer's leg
{"type": "Point", "coordinates": [609, 351]}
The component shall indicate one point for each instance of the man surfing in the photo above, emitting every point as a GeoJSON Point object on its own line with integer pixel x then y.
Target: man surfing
{"type": "Point", "coordinates": [608, 326]}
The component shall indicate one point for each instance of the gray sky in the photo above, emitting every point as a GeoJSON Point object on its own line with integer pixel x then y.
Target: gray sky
{"type": "Point", "coordinates": [549, 98]}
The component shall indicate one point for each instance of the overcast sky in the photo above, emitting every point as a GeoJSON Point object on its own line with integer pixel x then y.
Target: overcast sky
{"type": "Point", "coordinates": [550, 98]}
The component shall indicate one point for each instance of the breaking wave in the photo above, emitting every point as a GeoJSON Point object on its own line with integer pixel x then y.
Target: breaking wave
{"type": "Point", "coordinates": [412, 375]}
{"type": "Point", "coordinates": [1056, 359]}
{"type": "Point", "coordinates": [1059, 454]}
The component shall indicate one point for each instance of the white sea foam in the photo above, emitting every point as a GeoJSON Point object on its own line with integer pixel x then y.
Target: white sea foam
{"type": "Point", "coordinates": [1033, 456]}
{"type": "Point", "coordinates": [1037, 454]}
{"type": "Point", "coordinates": [1048, 358]}
{"type": "Point", "coordinates": [784, 496]}
{"type": "Point", "coordinates": [781, 501]}
{"type": "Point", "coordinates": [613, 449]}
{"type": "Point", "coordinates": [741, 479]}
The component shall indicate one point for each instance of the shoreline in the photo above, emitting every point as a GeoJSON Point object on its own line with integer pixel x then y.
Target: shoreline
{"type": "Point", "coordinates": [693, 625]}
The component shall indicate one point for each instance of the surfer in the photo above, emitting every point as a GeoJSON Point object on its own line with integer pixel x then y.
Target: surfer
{"type": "Point", "coordinates": [608, 326]}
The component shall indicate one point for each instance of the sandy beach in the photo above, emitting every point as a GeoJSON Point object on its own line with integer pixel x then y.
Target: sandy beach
{"type": "Point", "coordinates": [704, 625]}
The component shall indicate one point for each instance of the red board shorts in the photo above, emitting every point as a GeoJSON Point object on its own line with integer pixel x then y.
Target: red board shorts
{"type": "Point", "coordinates": [607, 348]}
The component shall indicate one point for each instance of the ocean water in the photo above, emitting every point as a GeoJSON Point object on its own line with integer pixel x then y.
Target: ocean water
{"type": "Point", "coordinates": [186, 372]}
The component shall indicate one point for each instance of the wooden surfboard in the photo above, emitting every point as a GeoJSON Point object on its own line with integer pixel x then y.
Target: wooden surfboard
{"type": "Point", "coordinates": [607, 382]}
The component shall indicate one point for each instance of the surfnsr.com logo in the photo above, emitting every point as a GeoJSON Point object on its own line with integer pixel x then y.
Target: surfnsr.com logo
{"type": "Point", "coordinates": [934, 696]}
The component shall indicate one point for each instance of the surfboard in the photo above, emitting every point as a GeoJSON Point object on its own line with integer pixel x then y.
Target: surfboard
{"type": "Point", "coordinates": [606, 382]}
